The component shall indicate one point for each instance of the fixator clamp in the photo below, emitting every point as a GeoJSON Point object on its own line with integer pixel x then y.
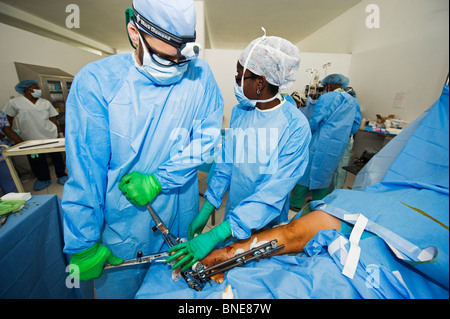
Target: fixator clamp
{"type": "Point", "coordinates": [199, 275]}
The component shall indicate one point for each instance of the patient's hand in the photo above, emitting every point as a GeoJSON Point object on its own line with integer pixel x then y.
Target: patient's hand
{"type": "Point", "coordinates": [217, 256]}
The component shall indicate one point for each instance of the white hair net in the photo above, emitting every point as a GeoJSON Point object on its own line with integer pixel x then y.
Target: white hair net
{"type": "Point", "coordinates": [273, 57]}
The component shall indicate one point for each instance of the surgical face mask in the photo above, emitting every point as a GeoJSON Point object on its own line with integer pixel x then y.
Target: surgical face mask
{"type": "Point", "coordinates": [162, 75]}
{"type": "Point", "coordinates": [242, 99]}
{"type": "Point", "coordinates": [36, 94]}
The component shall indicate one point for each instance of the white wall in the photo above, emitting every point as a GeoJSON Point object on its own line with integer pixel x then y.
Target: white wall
{"type": "Point", "coordinates": [408, 54]}
{"type": "Point", "coordinates": [223, 66]}
{"type": "Point", "coordinates": [340, 63]}
{"type": "Point", "coordinates": [26, 47]}
{"type": "Point", "coordinates": [200, 25]}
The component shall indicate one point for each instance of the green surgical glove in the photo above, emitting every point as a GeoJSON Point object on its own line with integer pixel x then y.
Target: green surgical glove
{"type": "Point", "coordinates": [90, 262]}
{"type": "Point", "coordinates": [199, 222]}
{"type": "Point", "coordinates": [10, 206]}
{"type": "Point", "coordinates": [140, 189]}
{"type": "Point", "coordinates": [197, 248]}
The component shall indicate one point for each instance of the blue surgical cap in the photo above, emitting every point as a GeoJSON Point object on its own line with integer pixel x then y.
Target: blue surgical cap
{"type": "Point", "coordinates": [175, 16]}
{"type": "Point", "coordinates": [336, 79]}
{"type": "Point", "coordinates": [22, 85]}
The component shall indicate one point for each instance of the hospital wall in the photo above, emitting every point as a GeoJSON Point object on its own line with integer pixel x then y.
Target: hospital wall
{"type": "Point", "coordinates": [223, 66]}
{"type": "Point", "coordinates": [26, 47]}
{"type": "Point", "coordinates": [398, 68]}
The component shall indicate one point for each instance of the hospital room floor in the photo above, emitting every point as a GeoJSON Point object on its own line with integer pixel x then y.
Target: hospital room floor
{"type": "Point", "coordinates": [57, 189]}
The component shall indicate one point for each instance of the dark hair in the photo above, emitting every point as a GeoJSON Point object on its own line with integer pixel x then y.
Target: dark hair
{"type": "Point", "coordinates": [273, 89]}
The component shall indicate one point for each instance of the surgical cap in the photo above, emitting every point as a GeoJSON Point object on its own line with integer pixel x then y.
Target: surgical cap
{"type": "Point", "coordinates": [336, 79]}
{"type": "Point", "coordinates": [273, 57]}
{"type": "Point", "coordinates": [175, 16]}
{"type": "Point", "coordinates": [22, 85]}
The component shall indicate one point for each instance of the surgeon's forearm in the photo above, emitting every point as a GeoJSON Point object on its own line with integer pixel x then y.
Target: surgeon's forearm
{"type": "Point", "coordinates": [294, 236]}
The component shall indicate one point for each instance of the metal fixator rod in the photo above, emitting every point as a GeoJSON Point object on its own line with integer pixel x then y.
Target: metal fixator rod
{"type": "Point", "coordinates": [200, 275]}
{"type": "Point", "coordinates": [170, 239]}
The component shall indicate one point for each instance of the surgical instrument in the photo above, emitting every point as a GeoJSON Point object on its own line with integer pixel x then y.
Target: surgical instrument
{"type": "Point", "coordinates": [199, 275]}
{"type": "Point", "coordinates": [170, 239]}
{"type": "Point", "coordinates": [160, 257]}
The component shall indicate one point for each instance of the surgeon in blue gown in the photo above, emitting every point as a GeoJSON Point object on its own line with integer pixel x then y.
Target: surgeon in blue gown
{"type": "Point", "coordinates": [265, 151]}
{"type": "Point", "coordinates": [335, 118]}
{"type": "Point", "coordinates": [147, 119]}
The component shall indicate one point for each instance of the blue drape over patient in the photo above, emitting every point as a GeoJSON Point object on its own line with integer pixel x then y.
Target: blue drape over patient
{"type": "Point", "coordinates": [410, 205]}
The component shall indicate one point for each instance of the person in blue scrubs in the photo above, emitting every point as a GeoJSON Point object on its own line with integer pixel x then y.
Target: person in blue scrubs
{"type": "Point", "coordinates": [305, 106]}
{"type": "Point", "coordinates": [140, 125]}
{"type": "Point", "coordinates": [265, 152]}
{"type": "Point", "coordinates": [335, 118]}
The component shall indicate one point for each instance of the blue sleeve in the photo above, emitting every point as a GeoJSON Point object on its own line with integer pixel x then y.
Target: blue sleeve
{"type": "Point", "coordinates": [321, 110]}
{"type": "Point", "coordinates": [220, 181]}
{"type": "Point", "coordinates": [3, 121]}
{"type": "Point", "coordinates": [266, 204]}
{"type": "Point", "coordinates": [358, 117]}
{"type": "Point", "coordinates": [181, 167]}
{"type": "Point", "coordinates": [88, 150]}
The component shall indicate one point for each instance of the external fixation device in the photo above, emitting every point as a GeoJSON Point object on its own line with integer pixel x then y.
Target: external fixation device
{"type": "Point", "coordinates": [199, 275]}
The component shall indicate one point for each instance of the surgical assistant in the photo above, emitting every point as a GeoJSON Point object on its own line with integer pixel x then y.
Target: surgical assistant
{"type": "Point", "coordinates": [335, 118]}
{"type": "Point", "coordinates": [146, 119]}
{"type": "Point", "coordinates": [265, 151]}
{"type": "Point", "coordinates": [36, 118]}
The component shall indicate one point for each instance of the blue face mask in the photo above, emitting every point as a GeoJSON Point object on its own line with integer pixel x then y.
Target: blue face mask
{"type": "Point", "coordinates": [162, 75]}
{"type": "Point", "coordinates": [245, 101]}
{"type": "Point", "coordinates": [242, 99]}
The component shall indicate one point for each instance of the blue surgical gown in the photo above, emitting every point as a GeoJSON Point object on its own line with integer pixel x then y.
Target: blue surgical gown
{"type": "Point", "coordinates": [264, 155]}
{"type": "Point", "coordinates": [336, 116]}
{"type": "Point", "coordinates": [118, 122]}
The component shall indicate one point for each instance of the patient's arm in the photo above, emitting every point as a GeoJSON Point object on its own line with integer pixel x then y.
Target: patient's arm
{"type": "Point", "coordinates": [294, 236]}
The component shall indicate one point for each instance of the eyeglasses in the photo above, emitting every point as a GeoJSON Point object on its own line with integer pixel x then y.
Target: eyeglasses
{"type": "Point", "coordinates": [238, 79]}
{"type": "Point", "coordinates": [161, 60]}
